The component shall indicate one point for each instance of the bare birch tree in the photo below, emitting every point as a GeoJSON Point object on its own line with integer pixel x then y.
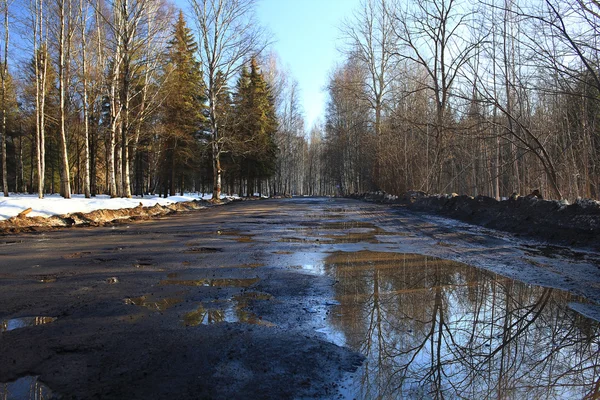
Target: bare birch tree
{"type": "Point", "coordinates": [40, 57]}
{"type": "Point", "coordinates": [5, 5]}
{"type": "Point", "coordinates": [370, 36]}
{"type": "Point", "coordinates": [64, 34]}
{"type": "Point", "coordinates": [228, 36]}
{"type": "Point", "coordinates": [84, 15]}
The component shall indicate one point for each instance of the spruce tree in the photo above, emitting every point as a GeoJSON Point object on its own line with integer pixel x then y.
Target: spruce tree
{"type": "Point", "coordinates": [183, 113]}
{"type": "Point", "coordinates": [255, 126]}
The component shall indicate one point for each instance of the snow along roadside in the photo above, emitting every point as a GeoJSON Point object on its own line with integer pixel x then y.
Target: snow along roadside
{"type": "Point", "coordinates": [56, 205]}
{"type": "Point", "coordinates": [47, 214]}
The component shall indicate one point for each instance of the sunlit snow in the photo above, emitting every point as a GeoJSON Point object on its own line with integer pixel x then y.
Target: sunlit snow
{"type": "Point", "coordinates": [56, 205]}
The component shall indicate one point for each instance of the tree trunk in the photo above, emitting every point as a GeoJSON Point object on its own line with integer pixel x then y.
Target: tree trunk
{"type": "Point", "coordinates": [65, 184]}
{"type": "Point", "coordinates": [4, 105]}
{"type": "Point", "coordinates": [125, 87]}
{"type": "Point", "coordinates": [86, 124]}
{"type": "Point", "coordinates": [217, 173]}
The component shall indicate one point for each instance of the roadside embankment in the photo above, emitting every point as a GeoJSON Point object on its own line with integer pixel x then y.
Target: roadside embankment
{"type": "Point", "coordinates": [558, 221]}
{"type": "Point", "coordinates": [23, 223]}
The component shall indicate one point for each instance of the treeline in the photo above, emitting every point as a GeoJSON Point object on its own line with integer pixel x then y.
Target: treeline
{"type": "Point", "coordinates": [489, 97]}
{"type": "Point", "coordinates": [117, 97]}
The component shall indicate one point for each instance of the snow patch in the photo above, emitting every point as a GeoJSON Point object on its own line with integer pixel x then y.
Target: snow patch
{"type": "Point", "coordinates": [56, 205]}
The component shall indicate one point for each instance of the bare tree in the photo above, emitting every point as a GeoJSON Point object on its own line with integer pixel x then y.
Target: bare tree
{"type": "Point", "coordinates": [433, 34]}
{"type": "Point", "coordinates": [84, 14]}
{"type": "Point", "coordinates": [5, 5]}
{"type": "Point", "coordinates": [40, 57]}
{"type": "Point", "coordinates": [228, 36]}
{"type": "Point", "coordinates": [370, 35]}
{"type": "Point", "coordinates": [64, 37]}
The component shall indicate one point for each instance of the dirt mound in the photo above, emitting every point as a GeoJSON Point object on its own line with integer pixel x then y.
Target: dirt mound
{"type": "Point", "coordinates": [22, 223]}
{"type": "Point", "coordinates": [575, 224]}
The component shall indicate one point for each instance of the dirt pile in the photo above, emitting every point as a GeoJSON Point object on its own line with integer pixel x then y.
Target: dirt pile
{"type": "Point", "coordinates": [22, 223]}
{"type": "Point", "coordinates": [574, 224]}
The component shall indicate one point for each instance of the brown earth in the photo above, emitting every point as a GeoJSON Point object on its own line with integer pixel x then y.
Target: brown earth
{"type": "Point", "coordinates": [576, 224]}
{"type": "Point", "coordinates": [22, 223]}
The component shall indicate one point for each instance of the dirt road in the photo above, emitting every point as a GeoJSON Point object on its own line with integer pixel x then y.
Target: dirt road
{"type": "Point", "coordinates": [299, 298]}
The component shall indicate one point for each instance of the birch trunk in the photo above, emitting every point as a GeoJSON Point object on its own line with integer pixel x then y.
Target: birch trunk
{"type": "Point", "coordinates": [86, 124]}
{"type": "Point", "coordinates": [4, 105]}
{"type": "Point", "coordinates": [65, 184]}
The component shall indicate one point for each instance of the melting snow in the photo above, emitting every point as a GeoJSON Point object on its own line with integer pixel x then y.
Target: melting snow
{"type": "Point", "coordinates": [56, 205]}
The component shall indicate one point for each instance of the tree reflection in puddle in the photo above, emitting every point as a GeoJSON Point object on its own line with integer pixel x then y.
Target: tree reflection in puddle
{"type": "Point", "coordinates": [27, 387]}
{"type": "Point", "coordinates": [24, 322]}
{"type": "Point", "coordinates": [232, 310]}
{"type": "Point", "coordinates": [436, 328]}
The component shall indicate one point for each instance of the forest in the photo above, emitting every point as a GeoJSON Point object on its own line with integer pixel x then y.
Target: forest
{"type": "Point", "coordinates": [131, 97]}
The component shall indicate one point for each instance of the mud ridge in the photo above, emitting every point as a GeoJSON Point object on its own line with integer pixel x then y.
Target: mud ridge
{"type": "Point", "coordinates": [576, 224]}
{"type": "Point", "coordinates": [22, 223]}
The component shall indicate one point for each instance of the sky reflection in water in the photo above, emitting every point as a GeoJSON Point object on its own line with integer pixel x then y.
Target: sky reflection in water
{"type": "Point", "coordinates": [441, 329]}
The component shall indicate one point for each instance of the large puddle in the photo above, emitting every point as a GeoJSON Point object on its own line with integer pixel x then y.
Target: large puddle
{"type": "Point", "coordinates": [432, 328]}
{"type": "Point", "coordinates": [28, 387]}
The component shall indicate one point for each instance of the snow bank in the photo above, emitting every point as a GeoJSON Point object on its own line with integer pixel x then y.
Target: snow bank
{"type": "Point", "coordinates": [574, 224]}
{"type": "Point", "coordinates": [56, 205]}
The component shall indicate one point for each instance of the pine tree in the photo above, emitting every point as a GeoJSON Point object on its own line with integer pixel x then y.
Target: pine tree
{"type": "Point", "coordinates": [184, 107]}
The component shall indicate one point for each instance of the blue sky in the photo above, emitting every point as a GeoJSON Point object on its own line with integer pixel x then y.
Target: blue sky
{"type": "Point", "coordinates": [305, 34]}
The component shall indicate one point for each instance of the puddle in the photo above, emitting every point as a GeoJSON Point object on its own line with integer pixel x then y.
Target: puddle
{"type": "Point", "coordinates": [349, 232]}
{"type": "Point", "coordinates": [27, 387]}
{"type": "Point", "coordinates": [153, 304]}
{"type": "Point", "coordinates": [232, 310]}
{"type": "Point", "coordinates": [432, 328]}
{"type": "Point", "coordinates": [225, 282]}
{"type": "Point", "coordinates": [23, 322]}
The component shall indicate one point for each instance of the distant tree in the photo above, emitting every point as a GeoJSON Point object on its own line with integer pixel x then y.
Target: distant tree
{"type": "Point", "coordinates": [228, 35]}
{"type": "Point", "coordinates": [5, 78]}
{"type": "Point", "coordinates": [370, 36]}
{"type": "Point", "coordinates": [256, 125]}
{"type": "Point", "coordinates": [432, 35]}
{"type": "Point", "coordinates": [184, 106]}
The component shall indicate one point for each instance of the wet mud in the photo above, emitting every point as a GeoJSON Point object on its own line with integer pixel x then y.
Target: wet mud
{"type": "Point", "coordinates": [575, 224]}
{"type": "Point", "coordinates": [296, 298]}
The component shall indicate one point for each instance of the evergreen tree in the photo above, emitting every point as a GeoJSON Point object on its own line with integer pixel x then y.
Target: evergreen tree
{"type": "Point", "coordinates": [184, 107]}
{"type": "Point", "coordinates": [256, 125]}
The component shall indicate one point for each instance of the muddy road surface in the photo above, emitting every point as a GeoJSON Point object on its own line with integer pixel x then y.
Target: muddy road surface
{"type": "Point", "coordinates": [296, 299]}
